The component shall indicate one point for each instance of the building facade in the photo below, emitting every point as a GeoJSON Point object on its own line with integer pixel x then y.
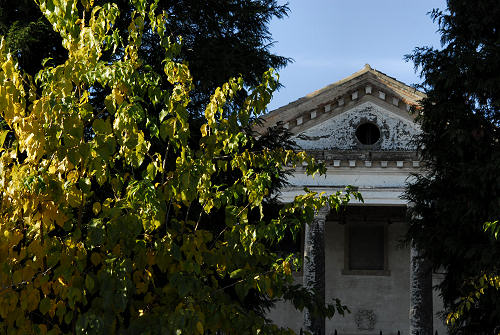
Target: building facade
{"type": "Point", "coordinates": [362, 128]}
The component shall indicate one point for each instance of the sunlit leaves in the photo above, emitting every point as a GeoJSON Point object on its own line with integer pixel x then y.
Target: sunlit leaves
{"type": "Point", "coordinates": [115, 215]}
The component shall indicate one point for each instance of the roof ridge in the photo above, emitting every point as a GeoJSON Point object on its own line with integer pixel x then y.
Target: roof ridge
{"type": "Point", "coordinates": [366, 69]}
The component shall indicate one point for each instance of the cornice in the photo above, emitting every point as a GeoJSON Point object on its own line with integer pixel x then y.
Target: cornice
{"type": "Point", "coordinates": [359, 159]}
{"type": "Point", "coordinates": [365, 85]}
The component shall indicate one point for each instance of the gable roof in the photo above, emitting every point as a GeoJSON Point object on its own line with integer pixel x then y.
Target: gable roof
{"type": "Point", "coordinates": [365, 85]}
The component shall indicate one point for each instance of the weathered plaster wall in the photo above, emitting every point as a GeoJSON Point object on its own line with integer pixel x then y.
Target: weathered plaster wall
{"type": "Point", "coordinates": [338, 132]}
{"type": "Point", "coordinates": [384, 297]}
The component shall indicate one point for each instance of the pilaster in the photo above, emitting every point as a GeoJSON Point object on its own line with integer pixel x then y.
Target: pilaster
{"type": "Point", "coordinates": [421, 308]}
{"type": "Point", "coordinates": [314, 268]}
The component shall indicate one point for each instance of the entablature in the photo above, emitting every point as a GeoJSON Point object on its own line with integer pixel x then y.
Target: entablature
{"type": "Point", "coordinates": [367, 159]}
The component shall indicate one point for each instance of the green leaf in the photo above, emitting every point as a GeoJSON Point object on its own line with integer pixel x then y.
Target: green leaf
{"type": "Point", "coordinates": [163, 113]}
{"type": "Point", "coordinates": [89, 283]}
{"type": "Point", "coordinates": [102, 126]}
{"type": "Point", "coordinates": [151, 171]}
{"type": "Point", "coordinates": [44, 306]}
{"type": "Point", "coordinates": [236, 273]}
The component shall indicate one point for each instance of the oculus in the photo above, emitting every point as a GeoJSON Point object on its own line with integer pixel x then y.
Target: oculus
{"type": "Point", "coordinates": [367, 133]}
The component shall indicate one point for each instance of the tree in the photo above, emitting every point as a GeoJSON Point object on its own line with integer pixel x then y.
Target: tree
{"type": "Point", "coordinates": [459, 189]}
{"type": "Point", "coordinates": [220, 39]}
{"type": "Point", "coordinates": [113, 219]}
{"type": "Point", "coordinates": [29, 35]}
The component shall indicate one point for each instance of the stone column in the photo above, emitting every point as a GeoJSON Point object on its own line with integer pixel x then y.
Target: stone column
{"type": "Point", "coordinates": [421, 313]}
{"type": "Point", "coordinates": [314, 267]}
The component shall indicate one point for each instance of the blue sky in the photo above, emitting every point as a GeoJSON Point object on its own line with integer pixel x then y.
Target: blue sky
{"type": "Point", "coordinates": [332, 39]}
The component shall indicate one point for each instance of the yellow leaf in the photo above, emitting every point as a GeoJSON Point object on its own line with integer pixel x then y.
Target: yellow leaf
{"type": "Point", "coordinates": [74, 196]}
{"type": "Point", "coordinates": [204, 129]}
{"type": "Point", "coordinates": [117, 96]}
{"type": "Point", "coordinates": [199, 327]}
{"type": "Point", "coordinates": [3, 135]}
{"type": "Point", "coordinates": [96, 208]}
{"type": "Point", "coordinates": [72, 176]}
{"type": "Point", "coordinates": [61, 281]}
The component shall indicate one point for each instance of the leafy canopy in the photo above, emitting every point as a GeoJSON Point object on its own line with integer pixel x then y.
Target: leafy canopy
{"type": "Point", "coordinates": [220, 39]}
{"type": "Point", "coordinates": [113, 219]}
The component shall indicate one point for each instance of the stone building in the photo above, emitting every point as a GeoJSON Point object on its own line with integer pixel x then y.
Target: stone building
{"type": "Point", "coordinates": [361, 128]}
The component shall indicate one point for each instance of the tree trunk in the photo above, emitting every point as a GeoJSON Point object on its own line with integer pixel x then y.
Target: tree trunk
{"type": "Point", "coordinates": [314, 268]}
{"type": "Point", "coordinates": [421, 317]}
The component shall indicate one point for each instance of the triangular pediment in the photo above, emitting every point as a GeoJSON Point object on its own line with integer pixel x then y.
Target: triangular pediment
{"type": "Point", "coordinates": [365, 85]}
{"type": "Point", "coordinates": [393, 131]}
{"type": "Point", "coordinates": [327, 119]}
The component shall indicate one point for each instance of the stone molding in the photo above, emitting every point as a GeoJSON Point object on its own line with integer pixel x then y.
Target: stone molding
{"type": "Point", "coordinates": [342, 95]}
{"type": "Point", "coordinates": [342, 163]}
{"type": "Point", "coordinates": [345, 101]}
{"type": "Point", "coordinates": [366, 159]}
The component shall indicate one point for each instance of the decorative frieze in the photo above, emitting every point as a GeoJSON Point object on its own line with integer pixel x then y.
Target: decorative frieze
{"type": "Point", "coordinates": [352, 163]}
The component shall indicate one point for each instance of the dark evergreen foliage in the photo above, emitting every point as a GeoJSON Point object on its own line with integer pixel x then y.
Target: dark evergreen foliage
{"type": "Point", "coordinates": [29, 35]}
{"type": "Point", "coordinates": [220, 39]}
{"type": "Point", "coordinates": [460, 188]}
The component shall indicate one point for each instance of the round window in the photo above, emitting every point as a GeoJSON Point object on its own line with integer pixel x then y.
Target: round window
{"type": "Point", "coordinates": [367, 133]}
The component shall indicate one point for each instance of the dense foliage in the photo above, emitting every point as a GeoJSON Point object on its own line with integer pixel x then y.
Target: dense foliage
{"type": "Point", "coordinates": [460, 190]}
{"type": "Point", "coordinates": [116, 216]}
{"type": "Point", "coordinates": [220, 39]}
